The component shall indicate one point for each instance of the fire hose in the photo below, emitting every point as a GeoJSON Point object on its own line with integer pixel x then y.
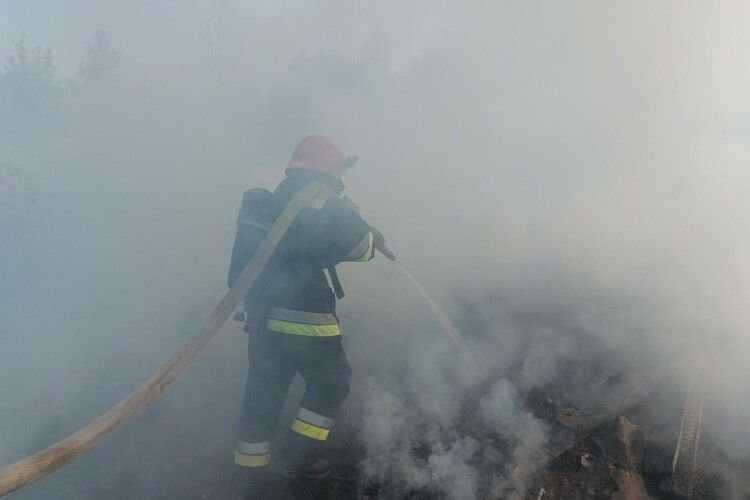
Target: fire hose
{"type": "Point", "coordinates": [34, 467]}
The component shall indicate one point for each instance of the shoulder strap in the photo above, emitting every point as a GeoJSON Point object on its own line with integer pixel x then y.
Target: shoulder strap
{"type": "Point", "coordinates": [335, 282]}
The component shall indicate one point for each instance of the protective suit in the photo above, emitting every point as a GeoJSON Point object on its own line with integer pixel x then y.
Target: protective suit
{"type": "Point", "coordinates": [291, 311]}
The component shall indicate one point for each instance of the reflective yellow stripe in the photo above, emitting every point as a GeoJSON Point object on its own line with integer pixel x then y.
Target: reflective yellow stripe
{"type": "Point", "coordinates": [251, 460]}
{"type": "Point", "coordinates": [310, 430]}
{"type": "Point", "coordinates": [369, 252]}
{"type": "Point", "coordinates": [304, 317]}
{"type": "Point", "coordinates": [364, 251]}
{"type": "Point", "coordinates": [277, 325]}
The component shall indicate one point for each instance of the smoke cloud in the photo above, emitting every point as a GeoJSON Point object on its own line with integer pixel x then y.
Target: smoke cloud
{"type": "Point", "coordinates": [569, 179]}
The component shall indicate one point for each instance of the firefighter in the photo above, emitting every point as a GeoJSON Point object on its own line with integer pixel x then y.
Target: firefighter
{"type": "Point", "coordinates": [290, 314]}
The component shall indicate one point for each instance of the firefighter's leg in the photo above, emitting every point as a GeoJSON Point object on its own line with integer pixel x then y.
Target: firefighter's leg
{"type": "Point", "coordinates": [323, 365]}
{"type": "Point", "coordinates": [270, 372]}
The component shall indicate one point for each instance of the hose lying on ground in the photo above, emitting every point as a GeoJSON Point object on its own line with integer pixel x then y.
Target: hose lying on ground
{"type": "Point", "coordinates": [29, 469]}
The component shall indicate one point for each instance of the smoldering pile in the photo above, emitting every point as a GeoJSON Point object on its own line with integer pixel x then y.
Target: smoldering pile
{"type": "Point", "coordinates": [597, 426]}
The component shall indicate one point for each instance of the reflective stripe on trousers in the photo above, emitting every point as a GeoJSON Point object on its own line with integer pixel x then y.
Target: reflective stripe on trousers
{"type": "Point", "coordinates": [252, 454]}
{"type": "Point", "coordinates": [312, 425]}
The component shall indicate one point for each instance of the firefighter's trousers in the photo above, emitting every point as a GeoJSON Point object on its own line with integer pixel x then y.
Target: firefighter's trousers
{"type": "Point", "coordinates": [274, 359]}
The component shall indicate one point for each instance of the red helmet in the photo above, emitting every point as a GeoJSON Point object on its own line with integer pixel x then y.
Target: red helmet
{"type": "Point", "coordinates": [316, 152]}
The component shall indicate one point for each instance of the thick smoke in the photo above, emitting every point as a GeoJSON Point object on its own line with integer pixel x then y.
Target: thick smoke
{"type": "Point", "coordinates": [570, 180]}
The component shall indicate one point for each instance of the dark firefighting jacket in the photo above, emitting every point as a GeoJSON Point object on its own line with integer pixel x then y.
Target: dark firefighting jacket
{"type": "Point", "coordinates": [293, 295]}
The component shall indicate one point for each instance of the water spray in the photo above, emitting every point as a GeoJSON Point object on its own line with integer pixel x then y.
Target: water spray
{"type": "Point", "coordinates": [448, 326]}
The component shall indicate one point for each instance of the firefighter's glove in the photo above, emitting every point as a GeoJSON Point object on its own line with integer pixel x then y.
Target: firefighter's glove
{"type": "Point", "coordinates": [379, 241]}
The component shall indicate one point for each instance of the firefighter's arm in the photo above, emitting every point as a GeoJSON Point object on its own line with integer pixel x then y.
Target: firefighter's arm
{"type": "Point", "coordinates": [347, 235]}
{"type": "Point", "coordinates": [378, 238]}
{"type": "Point", "coordinates": [352, 238]}
{"type": "Point", "coordinates": [379, 242]}
{"type": "Point", "coordinates": [364, 250]}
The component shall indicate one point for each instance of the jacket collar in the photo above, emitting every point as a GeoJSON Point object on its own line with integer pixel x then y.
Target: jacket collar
{"type": "Point", "coordinates": [302, 176]}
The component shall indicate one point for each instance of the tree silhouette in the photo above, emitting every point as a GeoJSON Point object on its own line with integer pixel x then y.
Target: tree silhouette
{"type": "Point", "coordinates": [101, 59]}
{"type": "Point", "coordinates": [28, 77]}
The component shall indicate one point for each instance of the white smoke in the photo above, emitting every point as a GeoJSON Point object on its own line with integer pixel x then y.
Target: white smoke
{"type": "Point", "coordinates": [569, 179]}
